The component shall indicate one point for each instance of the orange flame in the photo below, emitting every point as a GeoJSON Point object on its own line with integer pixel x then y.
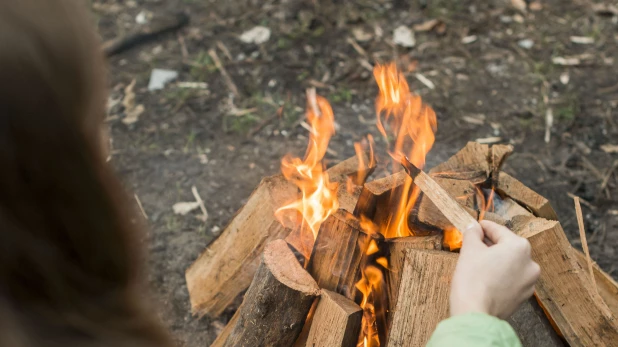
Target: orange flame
{"type": "Point", "coordinates": [413, 125]}
{"type": "Point", "coordinates": [371, 279]}
{"type": "Point", "coordinates": [453, 238]}
{"type": "Point", "coordinates": [319, 195]}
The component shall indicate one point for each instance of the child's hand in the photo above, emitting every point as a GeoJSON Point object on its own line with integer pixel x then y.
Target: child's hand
{"type": "Point", "coordinates": [492, 279]}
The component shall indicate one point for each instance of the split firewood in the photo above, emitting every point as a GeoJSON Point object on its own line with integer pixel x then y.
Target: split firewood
{"type": "Point", "coordinates": [338, 253]}
{"type": "Point", "coordinates": [529, 321]}
{"type": "Point", "coordinates": [225, 269]}
{"type": "Point", "coordinates": [564, 288]}
{"type": "Point", "coordinates": [607, 286]}
{"type": "Point", "coordinates": [508, 209]}
{"type": "Point", "coordinates": [397, 248]}
{"type": "Point", "coordinates": [377, 193]}
{"type": "Point", "coordinates": [494, 217]}
{"type": "Point", "coordinates": [227, 266]}
{"type": "Point", "coordinates": [511, 187]}
{"type": "Point", "coordinates": [276, 304]}
{"type": "Point", "coordinates": [463, 192]}
{"type": "Point", "coordinates": [423, 297]}
{"type": "Point", "coordinates": [355, 168]}
{"type": "Point", "coordinates": [471, 160]}
{"type": "Point", "coordinates": [336, 322]}
{"type": "Point", "coordinates": [455, 214]}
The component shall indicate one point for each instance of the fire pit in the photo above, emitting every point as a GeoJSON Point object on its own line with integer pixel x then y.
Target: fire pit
{"type": "Point", "coordinates": [380, 254]}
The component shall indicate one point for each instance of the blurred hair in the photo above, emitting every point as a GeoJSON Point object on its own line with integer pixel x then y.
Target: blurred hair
{"type": "Point", "coordinates": [69, 259]}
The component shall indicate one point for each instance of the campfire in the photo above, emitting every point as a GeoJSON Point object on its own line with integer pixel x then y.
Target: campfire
{"type": "Point", "coordinates": [328, 257]}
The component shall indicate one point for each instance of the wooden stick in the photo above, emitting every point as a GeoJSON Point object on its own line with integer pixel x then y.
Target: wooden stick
{"type": "Point", "coordinates": [582, 235]}
{"type": "Point", "coordinates": [226, 77]}
{"type": "Point", "coordinates": [141, 208]}
{"type": "Point", "coordinates": [563, 289]}
{"type": "Point", "coordinates": [423, 297]}
{"type": "Point", "coordinates": [458, 217]}
{"type": "Point", "coordinates": [464, 192]}
{"type": "Point", "coordinates": [199, 200]}
{"type": "Point", "coordinates": [277, 302]}
{"type": "Point", "coordinates": [336, 322]}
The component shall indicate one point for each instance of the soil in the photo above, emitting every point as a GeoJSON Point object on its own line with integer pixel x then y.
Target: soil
{"type": "Point", "coordinates": [488, 82]}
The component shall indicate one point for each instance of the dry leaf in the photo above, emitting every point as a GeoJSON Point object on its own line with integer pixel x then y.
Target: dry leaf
{"type": "Point", "coordinates": [361, 35]}
{"type": "Point", "coordinates": [257, 35]}
{"type": "Point", "coordinates": [519, 5]}
{"type": "Point", "coordinates": [132, 112]}
{"type": "Point", "coordinates": [426, 26]}
{"type": "Point", "coordinates": [182, 208]}
{"type": "Point", "coordinates": [609, 148]}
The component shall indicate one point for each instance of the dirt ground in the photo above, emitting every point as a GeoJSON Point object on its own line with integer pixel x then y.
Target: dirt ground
{"type": "Point", "coordinates": [495, 71]}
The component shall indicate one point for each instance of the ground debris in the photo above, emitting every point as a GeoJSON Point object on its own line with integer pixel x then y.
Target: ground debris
{"type": "Point", "coordinates": [131, 110]}
{"type": "Point", "coordinates": [160, 77]}
{"type": "Point", "coordinates": [256, 35]}
{"type": "Point", "coordinates": [404, 37]}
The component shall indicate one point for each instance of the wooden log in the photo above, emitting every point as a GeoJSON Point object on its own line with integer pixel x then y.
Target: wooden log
{"type": "Point", "coordinates": [225, 269]}
{"type": "Point", "coordinates": [355, 168]}
{"type": "Point", "coordinates": [511, 187]}
{"type": "Point", "coordinates": [564, 289]}
{"type": "Point", "coordinates": [529, 321]}
{"type": "Point", "coordinates": [397, 248]}
{"type": "Point", "coordinates": [336, 322]}
{"type": "Point", "coordinates": [471, 159]}
{"type": "Point", "coordinates": [508, 209]}
{"type": "Point", "coordinates": [463, 192]}
{"type": "Point", "coordinates": [423, 297]}
{"type": "Point", "coordinates": [455, 214]}
{"type": "Point", "coordinates": [607, 286]}
{"type": "Point", "coordinates": [497, 156]}
{"type": "Point", "coordinates": [277, 302]}
{"type": "Point", "coordinates": [338, 253]}
{"type": "Point", "coordinates": [377, 193]}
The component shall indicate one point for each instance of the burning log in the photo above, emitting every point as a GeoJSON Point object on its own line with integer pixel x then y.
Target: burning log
{"type": "Point", "coordinates": [338, 253]}
{"type": "Point", "coordinates": [423, 297]}
{"type": "Point", "coordinates": [377, 193]}
{"type": "Point", "coordinates": [277, 302]}
{"type": "Point", "coordinates": [336, 322]}
{"type": "Point", "coordinates": [564, 289]}
{"type": "Point", "coordinates": [225, 269]}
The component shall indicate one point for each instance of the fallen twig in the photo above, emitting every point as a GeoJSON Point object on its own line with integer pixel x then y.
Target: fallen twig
{"type": "Point", "coordinates": [265, 122]}
{"type": "Point", "coordinates": [141, 208]}
{"type": "Point", "coordinates": [226, 77]}
{"type": "Point", "coordinates": [199, 200]}
{"type": "Point", "coordinates": [582, 235]}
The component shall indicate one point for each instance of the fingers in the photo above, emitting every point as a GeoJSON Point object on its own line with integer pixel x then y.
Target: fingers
{"type": "Point", "coordinates": [496, 233]}
{"type": "Point", "coordinates": [473, 237]}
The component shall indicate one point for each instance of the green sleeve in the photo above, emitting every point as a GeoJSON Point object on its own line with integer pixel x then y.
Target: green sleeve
{"type": "Point", "coordinates": [474, 330]}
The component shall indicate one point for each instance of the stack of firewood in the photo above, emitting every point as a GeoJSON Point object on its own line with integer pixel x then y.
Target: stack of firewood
{"type": "Point", "coordinates": [313, 302]}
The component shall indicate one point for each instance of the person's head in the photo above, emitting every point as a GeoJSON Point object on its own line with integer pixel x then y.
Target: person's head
{"type": "Point", "coordinates": [68, 266]}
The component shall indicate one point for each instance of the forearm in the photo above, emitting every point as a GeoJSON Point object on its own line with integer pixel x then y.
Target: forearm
{"type": "Point", "coordinates": [474, 330]}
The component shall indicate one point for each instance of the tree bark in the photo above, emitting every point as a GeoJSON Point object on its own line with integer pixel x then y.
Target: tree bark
{"type": "Point", "coordinates": [276, 304]}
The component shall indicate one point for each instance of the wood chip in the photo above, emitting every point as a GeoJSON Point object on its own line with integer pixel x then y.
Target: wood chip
{"type": "Point", "coordinates": [424, 80]}
{"type": "Point", "coordinates": [582, 40]}
{"type": "Point", "coordinates": [609, 148]}
{"type": "Point", "coordinates": [469, 39]}
{"type": "Point", "coordinates": [489, 140]}
{"type": "Point", "coordinates": [427, 25]}
{"type": "Point", "coordinates": [141, 207]}
{"type": "Point", "coordinates": [476, 119]}
{"type": "Point", "coordinates": [182, 208]}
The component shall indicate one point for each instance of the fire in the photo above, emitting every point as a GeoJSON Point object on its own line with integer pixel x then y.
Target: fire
{"type": "Point", "coordinates": [413, 125]}
{"type": "Point", "coordinates": [452, 237]}
{"type": "Point", "coordinates": [318, 195]}
{"type": "Point", "coordinates": [370, 281]}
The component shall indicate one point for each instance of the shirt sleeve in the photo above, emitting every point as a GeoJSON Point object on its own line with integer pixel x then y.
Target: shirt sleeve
{"type": "Point", "coordinates": [474, 329]}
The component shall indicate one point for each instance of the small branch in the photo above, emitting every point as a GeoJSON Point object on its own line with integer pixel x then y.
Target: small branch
{"type": "Point", "coordinates": [582, 235]}
{"type": "Point", "coordinates": [199, 200]}
{"type": "Point", "coordinates": [226, 77]}
{"type": "Point", "coordinates": [141, 208]}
